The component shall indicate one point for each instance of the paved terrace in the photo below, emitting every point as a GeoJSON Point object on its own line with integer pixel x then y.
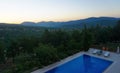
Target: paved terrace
{"type": "Point", "coordinates": [113, 68]}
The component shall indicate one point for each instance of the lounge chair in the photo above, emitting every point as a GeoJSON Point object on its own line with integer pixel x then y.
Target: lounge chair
{"type": "Point", "coordinates": [106, 54]}
{"type": "Point", "coordinates": [100, 52]}
{"type": "Point", "coordinates": [95, 51]}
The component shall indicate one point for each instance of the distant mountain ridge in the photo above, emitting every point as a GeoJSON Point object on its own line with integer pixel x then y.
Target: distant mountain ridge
{"type": "Point", "coordinates": [92, 21]}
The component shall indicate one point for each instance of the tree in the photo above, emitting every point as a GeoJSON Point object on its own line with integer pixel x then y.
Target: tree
{"type": "Point", "coordinates": [87, 39]}
{"type": "Point", "coordinates": [116, 32]}
{"type": "Point", "coordinates": [76, 35]}
{"type": "Point", "coordinates": [60, 37]}
{"type": "Point", "coordinates": [28, 43]}
{"type": "Point", "coordinates": [55, 38]}
{"type": "Point", "coordinates": [13, 48]}
{"type": "Point", "coordinates": [73, 47]}
{"type": "Point", "coordinates": [45, 54]}
{"type": "Point", "coordinates": [2, 53]}
{"type": "Point", "coordinates": [46, 37]}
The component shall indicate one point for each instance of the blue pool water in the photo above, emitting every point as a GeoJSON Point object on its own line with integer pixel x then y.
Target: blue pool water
{"type": "Point", "coordinates": [83, 64]}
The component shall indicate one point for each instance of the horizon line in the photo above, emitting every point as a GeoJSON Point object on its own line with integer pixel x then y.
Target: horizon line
{"type": "Point", "coordinates": [58, 20]}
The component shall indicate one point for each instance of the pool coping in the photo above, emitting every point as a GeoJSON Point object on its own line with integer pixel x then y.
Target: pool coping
{"type": "Point", "coordinates": [61, 62]}
{"type": "Point", "coordinates": [114, 57]}
{"type": "Point", "coordinates": [49, 67]}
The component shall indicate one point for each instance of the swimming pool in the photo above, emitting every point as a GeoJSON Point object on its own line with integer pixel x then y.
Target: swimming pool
{"type": "Point", "coordinates": [83, 64]}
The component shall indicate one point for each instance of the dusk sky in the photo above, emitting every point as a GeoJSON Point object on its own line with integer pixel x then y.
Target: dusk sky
{"type": "Point", "coordinates": [17, 11]}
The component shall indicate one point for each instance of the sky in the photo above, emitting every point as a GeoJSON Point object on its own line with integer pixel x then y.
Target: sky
{"type": "Point", "coordinates": [18, 11]}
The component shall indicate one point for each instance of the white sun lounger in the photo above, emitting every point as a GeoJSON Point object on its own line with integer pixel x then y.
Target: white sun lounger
{"type": "Point", "coordinates": [95, 51]}
{"type": "Point", "coordinates": [106, 54]}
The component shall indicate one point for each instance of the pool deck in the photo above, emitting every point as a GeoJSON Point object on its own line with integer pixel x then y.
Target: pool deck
{"type": "Point", "coordinates": [113, 68]}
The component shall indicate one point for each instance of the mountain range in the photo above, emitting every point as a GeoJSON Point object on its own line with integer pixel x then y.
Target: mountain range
{"type": "Point", "coordinates": [92, 21]}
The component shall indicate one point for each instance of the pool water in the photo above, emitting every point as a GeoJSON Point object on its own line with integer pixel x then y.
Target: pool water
{"type": "Point", "coordinates": [83, 64]}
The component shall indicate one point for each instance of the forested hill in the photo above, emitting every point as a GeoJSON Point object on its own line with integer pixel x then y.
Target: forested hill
{"type": "Point", "coordinates": [89, 22]}
{"type": "Point", "coordinates": [92, 21]}
{"type": "Point", "coordinates": [24, 49]}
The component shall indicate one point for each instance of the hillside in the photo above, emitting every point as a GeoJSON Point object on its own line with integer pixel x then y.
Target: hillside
{"type": "Point", "coordinates": [92, 21]}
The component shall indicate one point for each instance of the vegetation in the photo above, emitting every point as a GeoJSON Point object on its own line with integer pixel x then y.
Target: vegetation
{"type": "Point", "coordinates": [23, 49]}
